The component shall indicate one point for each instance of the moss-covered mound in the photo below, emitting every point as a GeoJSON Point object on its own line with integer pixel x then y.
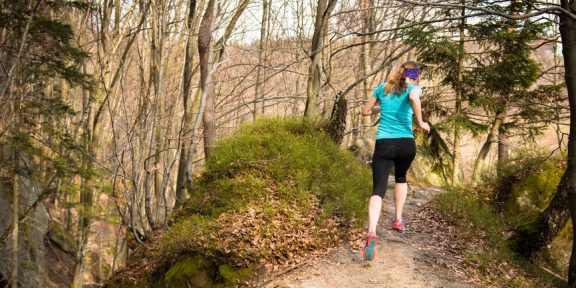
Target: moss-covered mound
{"type": "Point", "coordinates": [527, 188]}
{"type": "Point", "coordinates": [277, 190]}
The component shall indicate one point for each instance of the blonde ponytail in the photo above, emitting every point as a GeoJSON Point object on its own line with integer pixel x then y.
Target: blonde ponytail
{"type": "Point", "coordinates": [396, 83]}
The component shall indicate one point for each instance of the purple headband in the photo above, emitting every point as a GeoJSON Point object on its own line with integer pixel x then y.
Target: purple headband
{"type": "Point", "coordinates": [412, 73]}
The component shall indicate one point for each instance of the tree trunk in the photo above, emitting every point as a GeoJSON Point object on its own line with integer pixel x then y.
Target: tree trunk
{"type": "Point", "coordinates": [184, 180]}
{"type": "Point", "coordinates": [204, 44]}
{"type": "Point", "coordinates": [528, 241]}
{"type": "Point", "coordinates": [91, 139]}
{"type": "Point", "coordinates": [568, 34]}
{"type": "Point", "coordinates": [15, 221]}
{"type": "Point", "coordinates": [337, 125]}
{"type": "Point", "coordinates": [323, 12]}
{"type": "Point", "coordinates": [503, 151]}
{"type": "Point", "coordinates": [492, 137]}
{"type": "Point", "coordinates": [208, 84]}
{"type": "Point", "coordinates": [458, 102]}
{"type": "Point", "coordinates": [502, 132]}
{"type": "Point", "coordinates": [365, 59]}
{"type": "Point", "coordinates": [259, 87]}
{"type": "Point", "coordinates": [158, 24]}
{"type": "Point", "coordinates": [532, 238]}
{"type": "Point", "coordinates": [84, 221]}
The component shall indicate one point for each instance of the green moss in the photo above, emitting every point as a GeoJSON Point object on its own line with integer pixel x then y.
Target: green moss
{"type": "Point", "coordinates": [294, 155]}
{"type": "Point", "coordinates": [274, 189]}
{"type": "Point", "coordinates": [197, 271]}
{"type": "Point", "coordinates": [532, 194]}
{"type": "Point", "coordinates": [291, 159]}
{"type": "Point", "coordinates": [234, 276]}
{"type": "Point", "coordinates": [63, 238]}
{"type": "Point", "coordinates": [557, 254]}
{"type": "Point", "coordinates": [183, 234]}
{"type": "Point", "coordinates": [191, 271]}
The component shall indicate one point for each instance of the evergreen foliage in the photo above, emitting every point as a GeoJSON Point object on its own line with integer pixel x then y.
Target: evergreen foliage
{"type": "Point", "coordinates": [41, 65]}
{"type": "Point", "coordinates": [500, 75]}
{"type": "Point", "coordinates": [505, 76]}
{"type": "Point", "coordinates": [42, 50]}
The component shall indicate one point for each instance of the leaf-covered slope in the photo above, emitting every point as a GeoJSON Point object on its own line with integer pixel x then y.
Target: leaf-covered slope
{"type": "Point", "coordinates": [274, 192]}
{"type": "Point", "coordinates": [277, 188]}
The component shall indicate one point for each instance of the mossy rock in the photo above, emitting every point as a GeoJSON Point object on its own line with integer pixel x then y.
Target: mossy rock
{"type": "Point", "coordinates": [62, 238]}
{"type": "Point", "coordinates": [558, 253]}
{"type": "Point", "coordinates": [234, 276]}
{"type": "Point", "coordinates": [199, 272]}
{"type": "Point", "coordinates": [191, 272]}
{"type": "Point", "coordinates": [531, 195]}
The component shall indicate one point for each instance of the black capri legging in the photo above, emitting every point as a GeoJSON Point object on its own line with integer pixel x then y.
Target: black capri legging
{"type": "Point", "coordinates": [397, 152]}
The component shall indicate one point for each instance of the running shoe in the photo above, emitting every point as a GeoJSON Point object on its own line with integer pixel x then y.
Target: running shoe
{"type": "Point", "coordinates": [398, 225]}
{"type": "Point", "coordinates": [370, 248]}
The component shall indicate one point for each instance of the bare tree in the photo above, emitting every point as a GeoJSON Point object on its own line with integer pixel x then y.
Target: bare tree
{"type": "Point", "coordinates": [259, 86]}
{"type": "Point", "coordinates": [323, 12]}
{"type": "Point", "coordinates": [209, 119]}
{"type": "Point", "coordinates": [153, 191]}
{"type": "Point", "coordinates": [365, 56]}
{"type": "Point", "coordinates": [108, 81]}
{"type": "Point", "coordinates": [185, 181]}
{"type": "Point", "coordinates": [204, 46]}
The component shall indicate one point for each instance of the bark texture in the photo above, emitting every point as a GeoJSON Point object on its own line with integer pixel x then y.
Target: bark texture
{"type": "Point", "coordinates": [324, 10]}
{"type": "Point", "coordinates": [568, 183]}
{"type": "Point", "coordinates": [337, 125]}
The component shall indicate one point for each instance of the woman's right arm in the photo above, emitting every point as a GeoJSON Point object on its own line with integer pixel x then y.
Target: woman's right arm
{"type": "Point", "coordinates": [367, 109]}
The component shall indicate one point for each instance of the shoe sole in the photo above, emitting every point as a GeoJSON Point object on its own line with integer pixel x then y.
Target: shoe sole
{"type": "Point", "coordinates": [370, 251]}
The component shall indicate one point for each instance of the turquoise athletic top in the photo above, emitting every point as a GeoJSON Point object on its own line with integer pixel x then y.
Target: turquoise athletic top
{"type": "Point", "coordinates": [395, 114]}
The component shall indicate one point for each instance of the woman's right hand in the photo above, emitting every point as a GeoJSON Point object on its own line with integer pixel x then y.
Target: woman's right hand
{"type": "Point", "coordinates": [425, 126]}
{"type": "Point", "coordinates": [368, 110]}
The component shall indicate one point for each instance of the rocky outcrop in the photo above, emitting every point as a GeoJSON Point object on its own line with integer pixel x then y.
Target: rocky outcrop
{"type": "Point", "coordinates": [32, 230]}
{"type": "Point", "coordinates": [59, 249]}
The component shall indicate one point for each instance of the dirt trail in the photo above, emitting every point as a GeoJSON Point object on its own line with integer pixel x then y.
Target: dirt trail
{"type": "Point", "coordinates": [404, 260]}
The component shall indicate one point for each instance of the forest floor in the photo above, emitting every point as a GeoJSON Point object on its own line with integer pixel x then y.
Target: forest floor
{"type": "Point", "coordinates": [430, 253]}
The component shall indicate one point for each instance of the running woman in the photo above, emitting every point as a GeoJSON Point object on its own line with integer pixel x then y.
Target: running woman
{"type": "Point", "coordinates": [399, 100]}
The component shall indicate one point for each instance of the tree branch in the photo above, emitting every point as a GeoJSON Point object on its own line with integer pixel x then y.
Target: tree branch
{"type": "Point", "coordinates": [548, 10]}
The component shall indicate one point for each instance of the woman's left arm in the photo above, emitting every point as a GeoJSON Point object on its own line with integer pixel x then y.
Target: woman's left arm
{"type": "Point", "coordinates": [417, 108]}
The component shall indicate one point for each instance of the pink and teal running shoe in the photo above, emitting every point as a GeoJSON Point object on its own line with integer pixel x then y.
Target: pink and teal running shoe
{"type": "Point", "coordinates": [370, 248]}
{"type": "Point", "coordinates": [398, 225]}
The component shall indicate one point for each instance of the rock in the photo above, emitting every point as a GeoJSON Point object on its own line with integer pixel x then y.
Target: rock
{"type": "Point", "coordinates": [61, 238]}
{"type": "Point", "coordinates": [423, 194]}
{"type": "Point", "coordinates": [363, 148]}
{"type": "Point", "coordinates": [31, 267]}
{"type": "Point", "coordinates": [61, 269]}
{"type": "Point", "coordinates": [196, 271]}
{"type": "Point", "coordinates": [191, 271]}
